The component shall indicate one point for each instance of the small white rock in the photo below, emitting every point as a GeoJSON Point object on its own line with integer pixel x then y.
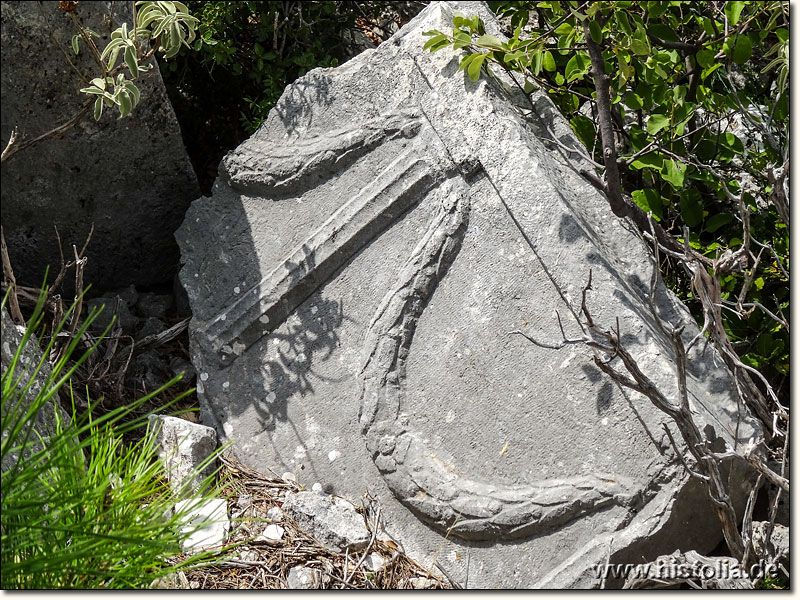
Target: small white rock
{"type": "Point", "coordinates": [421, 583]}
{"type": "Point", "coordinates": [273, 532]}
{"type": "Point", "coordinates": [374, 562]}
{"type": "Point", "coordinates": [275, 514]}
{"type": "Point", "coordinates": [206, 522]}
{"type": "Point", "coordinates": [289, 476]}
{"type": "Point", "coordinates": [303, 578]}
{"type": "Point", "coordinates": [317, 487]}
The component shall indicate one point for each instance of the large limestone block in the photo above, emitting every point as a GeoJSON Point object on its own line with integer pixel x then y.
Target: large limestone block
{"type": "Point", "coordinates": [132, 177]}
{"type": "Point", "coordinates": [354, 278]}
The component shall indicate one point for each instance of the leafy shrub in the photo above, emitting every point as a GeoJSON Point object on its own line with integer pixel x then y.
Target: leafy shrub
{"type": "Point", "coordinates": [698, 131]}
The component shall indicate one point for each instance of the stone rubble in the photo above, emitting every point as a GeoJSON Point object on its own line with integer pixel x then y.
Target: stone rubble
{"type": "Point", "coordinates": [183, 448]}
{"type": "Point", "coordinates": [333, 521]}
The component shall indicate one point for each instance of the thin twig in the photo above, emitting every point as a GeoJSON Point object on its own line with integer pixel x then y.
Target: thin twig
{"type": "Point", "coordinates": [8, 275]}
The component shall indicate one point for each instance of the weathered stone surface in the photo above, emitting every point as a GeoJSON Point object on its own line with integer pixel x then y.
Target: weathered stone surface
{"type": "Point", "coordinates": [183, 447]}
{"type": "Point", "coordinates": [131, 178]}
{"type": "Point", "coordinates": [332, 521]}
{"type": "Point", "coordinates": [24, 372]}
{"type": "Point", "coordinates": [354, 278]}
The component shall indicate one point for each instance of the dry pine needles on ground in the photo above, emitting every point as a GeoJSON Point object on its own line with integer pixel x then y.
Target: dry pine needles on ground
{"type": "Point", "coordinates": [258, 562]}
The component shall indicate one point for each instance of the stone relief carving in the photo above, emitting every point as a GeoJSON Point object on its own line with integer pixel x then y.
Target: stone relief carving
{"type": "Point", "coordinates": [432, 488]}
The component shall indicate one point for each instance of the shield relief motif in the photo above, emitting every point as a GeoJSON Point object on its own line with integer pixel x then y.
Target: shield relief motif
{"type": "Point", "coordinates": [354, 278]}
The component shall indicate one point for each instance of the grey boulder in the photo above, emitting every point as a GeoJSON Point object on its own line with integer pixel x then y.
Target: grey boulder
{"type": "Point", "coordinates": [131, 178]}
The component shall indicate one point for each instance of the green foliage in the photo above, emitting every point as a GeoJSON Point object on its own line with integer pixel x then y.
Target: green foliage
{"type": "Point", "coordinates": [701, 114]}
{"type": "Point", "coordinates": [79, 508]}
{"type": "Point", "coordinates": [164, 25]}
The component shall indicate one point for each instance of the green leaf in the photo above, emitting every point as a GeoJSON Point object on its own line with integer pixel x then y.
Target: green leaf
{"type": "Point", "coordinates": [564, 29]}
{"type": "Point", "coordinates": [492, 42]}
{"type": "Point", "coordinates": [716, 221]}
{"type": "Point", "coordinates": [536, 65]}
{"type": "Point", "coordinates": [705, 57]}
{"type": "Point", "coordinates": [742, 50]}
{"type": "Point", "coordinates": [622, 21]}
{"type": "Point", "coordinates": [649, 200]}
{"type": "Point", "coordinates": [656, 123]}
{"type": "Point", "coordinates": [584, 129]}
{"type": "Point", "coordinates": [548, 62]}
{"type": "Point", "coordinates": [578, 66]}
{"type": "Point", "coordinates": [709, 70]}
{"type": "Point", "coordinates": [691, 210]}
{"type": "Point", "coordinates": [663, 32]}
{"type": "Point", "coordinates": [130, 60]}
{"type": "Point", "coordinates": [474, 68]}
{"type": "Point", "coordinates": [98, 108]}
{"type": "Point", "coordinates": [529, 86]}
{"type": "Point", "coordinates": [75, 46]}
{"type": "Point", "coordinates": [134, 92]}
{"type": "Point", "coordinates": [595, 32]}
{"type": "Point", "coordinates": [634, 101]}
{"type": "Point", "coordinates": [656, 9]}
{"type": "Point", "coordinates": [640, 47]}
{"type": "Point", "coordinates": [652, 160]}
{"type": "Point", "coordinates": [674, 173]}
{"type": "Point", "coordinates": [733, 11]}
{"type": "Point", "coordinates": [437, 39]}
{"type": "Point", "coordinates": [733, 142]}
{"type": "Point", "coordinates": [125, 104]}
{"type": "Point", "coordinates": [468, 58]}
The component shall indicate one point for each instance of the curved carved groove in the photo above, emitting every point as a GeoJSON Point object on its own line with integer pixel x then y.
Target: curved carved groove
{"type": "Point", "coordinates": [304, 163]}
{"type": "Point", "coordinates": [429, 486]}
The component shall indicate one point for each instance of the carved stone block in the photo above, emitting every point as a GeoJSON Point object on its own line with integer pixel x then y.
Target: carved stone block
{"type": "Point", "coordinates": [354, 277]}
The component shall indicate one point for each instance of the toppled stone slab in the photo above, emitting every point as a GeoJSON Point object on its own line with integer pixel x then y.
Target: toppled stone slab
{"type": "Point", "coordinates": [131, 178]}
{"type": "Point", "coordinates": [372, 246]}
{"type": "Point", "coordinates": [205, 521]}
{"type": "Point", "coordinates": [332, 521]}
{"type": "Point", "coordinates": [183, 448]}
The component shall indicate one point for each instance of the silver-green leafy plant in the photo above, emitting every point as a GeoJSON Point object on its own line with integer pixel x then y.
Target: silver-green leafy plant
{"type": "Point", "coordinates": [164, 26]}
{"type": "Point", "coordinates": [80, 508]}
